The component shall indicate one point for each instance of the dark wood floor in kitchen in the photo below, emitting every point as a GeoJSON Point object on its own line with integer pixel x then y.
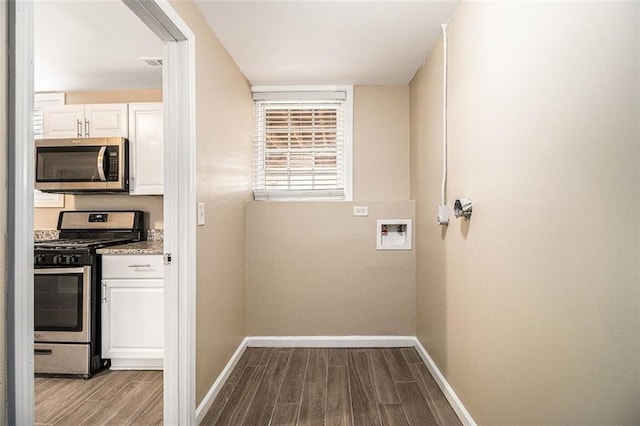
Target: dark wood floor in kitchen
{"type": "Point", "coordinates": [330, 387]}
{"type": "Point", "coordinates": [109, 397]}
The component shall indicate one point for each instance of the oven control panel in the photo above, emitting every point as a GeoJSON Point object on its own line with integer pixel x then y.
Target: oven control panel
{"type": "Point", "coordinates": [61, 259]}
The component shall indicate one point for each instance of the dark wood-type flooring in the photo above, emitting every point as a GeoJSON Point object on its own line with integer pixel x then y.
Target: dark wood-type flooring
{"type": "Point", "coordinates": [305, 386]}
{"type": "Point", "coordinates": [110, 397]}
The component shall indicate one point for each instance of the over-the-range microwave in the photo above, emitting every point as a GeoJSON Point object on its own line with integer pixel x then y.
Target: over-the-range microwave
{"type": "Point", "coordinates": [82, 165]}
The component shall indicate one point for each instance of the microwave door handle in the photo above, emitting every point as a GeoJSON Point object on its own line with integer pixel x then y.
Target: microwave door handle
{"type": "Point", "coordinates": [100, 163]}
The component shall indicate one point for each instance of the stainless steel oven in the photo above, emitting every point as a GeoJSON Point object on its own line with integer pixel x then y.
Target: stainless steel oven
{"type": "Point", "coordinates": [67, 274]}
{"type": "Point", "coordinates": [63, 327]}
{"type": "Point", "coordinates": [62, 297]}
{"type": "Point", "coordinates": [82, 165]}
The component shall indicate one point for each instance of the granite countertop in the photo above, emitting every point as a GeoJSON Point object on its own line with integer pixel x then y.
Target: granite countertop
{"type": "Point", "coordinates": [141, 247]}
{"type": "Point", "coordinates": [154, 244]}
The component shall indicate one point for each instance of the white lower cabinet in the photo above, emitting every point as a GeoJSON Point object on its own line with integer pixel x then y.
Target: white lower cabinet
{"type": "Point", "coordinates": [133, 311]}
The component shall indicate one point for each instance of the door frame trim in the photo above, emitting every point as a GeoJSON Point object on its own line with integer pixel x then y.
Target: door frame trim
{"type": "Point", "coordinates": [179, 209]}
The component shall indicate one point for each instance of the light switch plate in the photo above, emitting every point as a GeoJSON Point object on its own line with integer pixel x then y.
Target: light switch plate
{"type": "Point", "coordinates": [200, 214]}
{"type": "Point", "coordinates": [360, 210]}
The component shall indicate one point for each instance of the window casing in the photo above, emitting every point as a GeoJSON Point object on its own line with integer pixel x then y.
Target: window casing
{"type": "Point", "coordinates": [302, 147]}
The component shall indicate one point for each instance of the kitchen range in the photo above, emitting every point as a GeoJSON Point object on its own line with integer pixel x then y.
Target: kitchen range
{"type": "Point", "coordinates": [67, 275]}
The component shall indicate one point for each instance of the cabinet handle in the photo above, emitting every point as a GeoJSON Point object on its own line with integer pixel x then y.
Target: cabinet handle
{"type": "Point", "coordinates": [79, 128]}
{"type": "Point", "coordinates": [86, 128]}
{"type": "Point", "coordinates": [140, 266]}
{"type": "Point", "coordinates": [104, 293]}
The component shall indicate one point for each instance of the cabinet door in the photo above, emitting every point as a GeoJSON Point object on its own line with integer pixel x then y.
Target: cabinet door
{"type": "Point", "coordinates": [146, 148]}
{"type": "Point", "coordinates": [63, 121]}
{"type": "Point", "coordinates": [133, 323]}
{"type": "Point", "coordinates": [106, 120]}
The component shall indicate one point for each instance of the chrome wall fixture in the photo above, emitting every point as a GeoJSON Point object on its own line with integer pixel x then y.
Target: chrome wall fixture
{"type": "Point", "coordinates": [462, 207]}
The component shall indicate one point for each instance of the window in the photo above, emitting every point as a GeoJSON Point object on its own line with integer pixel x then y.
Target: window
{"type": "Point", "coordinates": [302, 145]}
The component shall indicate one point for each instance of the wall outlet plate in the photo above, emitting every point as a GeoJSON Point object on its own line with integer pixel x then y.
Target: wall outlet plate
{"type": "Point", "coordinates": [200, 214]}
{"type": "Point", "coordinates": [361, 210]}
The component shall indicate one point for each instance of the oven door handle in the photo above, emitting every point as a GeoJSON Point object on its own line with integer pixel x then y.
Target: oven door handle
{"type": "Point", "coordinates": [100, 163]}
{"type": "Point", "coordinates": [59, 271]}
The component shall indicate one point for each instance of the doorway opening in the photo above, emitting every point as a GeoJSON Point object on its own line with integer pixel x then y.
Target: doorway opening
{"type": "Point", "coordinates": [179, 210]}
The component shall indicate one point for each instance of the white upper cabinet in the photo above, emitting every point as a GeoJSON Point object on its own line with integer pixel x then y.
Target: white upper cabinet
{"type": "Point", "coordinates": [146, 149]}
{"type": "Point", "coordinates": [84, 121]}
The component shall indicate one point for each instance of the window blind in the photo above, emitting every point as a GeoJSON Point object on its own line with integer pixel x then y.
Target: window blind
{"type": "Point", "coordinates": [299, 149]}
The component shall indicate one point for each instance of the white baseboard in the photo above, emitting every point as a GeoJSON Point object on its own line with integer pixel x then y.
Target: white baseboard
{"type": "Point", "coordinates": [331, 341]}
{"type": "Point", "coordinates": [335, 342]}
{"type": "Point", "coordinates": [208, 399]}
{"type": "Point", "coordinates": [446, 389]}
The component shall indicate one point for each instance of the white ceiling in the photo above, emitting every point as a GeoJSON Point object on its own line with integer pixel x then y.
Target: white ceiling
{"type": "Point", "coordinates": [92, 45]}
{"type": "Point", "coordinates": [327, 42]}
{"type": "Point", "coordinates": [96, 45]}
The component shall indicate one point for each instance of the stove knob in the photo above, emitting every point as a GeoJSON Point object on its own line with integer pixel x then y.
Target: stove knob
{"type": "Point", "coordinates": [74, 258]}
{"type": "Point", "coordinates": [40, 258]}
{"type": "Point", "coordinates": [59, 259]}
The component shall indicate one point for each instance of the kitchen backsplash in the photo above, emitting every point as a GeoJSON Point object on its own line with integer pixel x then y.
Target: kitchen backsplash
{"type": "Point", "coordinates": [45, 234]}
{"type": "Point", "coordinates": [52, 234]}
{"type": "Point", "coordinates": [155, 235]}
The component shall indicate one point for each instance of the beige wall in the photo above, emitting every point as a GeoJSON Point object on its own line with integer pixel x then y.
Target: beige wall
{"type": "Point", "coordinates": [224, 123]}
{"type": "Point", "coordinates": [380, 143]}
{"type": "Point", "coordinates": [313, 268]}
{"type": "Point", "coordinates": [113, 96]}
{"type": "Point", "coordinates": [531, 310]}
{"type": "Point", "coordinates": [3, 201]}
{"type": "Point", "coordinates": [47, 217]}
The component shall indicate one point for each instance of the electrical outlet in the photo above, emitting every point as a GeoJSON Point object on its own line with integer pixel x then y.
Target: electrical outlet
{"type": "Point", "coordinates": [360, 210]}
{"type": "Point", "coordinates": [200, 214]}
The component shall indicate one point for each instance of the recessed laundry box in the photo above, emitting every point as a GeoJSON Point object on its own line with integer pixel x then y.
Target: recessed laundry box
{"type": "Point", "coordinates": [393, 234]}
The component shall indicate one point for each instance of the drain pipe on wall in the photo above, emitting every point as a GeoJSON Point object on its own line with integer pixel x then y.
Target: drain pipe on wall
{"type": "Point", "coordinates": [443, 210]}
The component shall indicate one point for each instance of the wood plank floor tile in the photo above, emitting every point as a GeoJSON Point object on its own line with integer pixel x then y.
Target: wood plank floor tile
{"type": "Point", "coordinates": [338, 411]}
{"type": "Point", "coordinates": [436, 399]}
{"type": "Point", "coordinates": [53, 406]}
{"type": "Point", "coordinates": [291, 390]}
{"type": "Point", "coordinates": [236, 408]}
{"type": "Point", "coordinates": [118, 405]}
{"type": "Point", "coordinates": [104, 387]}
{"type": "Point", "coordinates": [81, 412]}
{"type": "Point", "coordinates": [318, 363]}
{"type": "Point", "coordinates": [136, 404]}
{"type": "Point", "coordinates": [261, 407]}
{"type": "Point", "coordinates": [152, 415]}
{"type": "Point", "coordinates": [364, 407]}
{"type": "Point", "coordinates": [386, 392]}
{"type": "Point", "coordinates": [266, 356]}
{"type": "Point", "coordinates": [338, 356]}
{"type": "Point", "coordinates": [312, 408]}
{"type": "Point", "coordinates": [356, 380]}
{"type": "Point", "coordinates": [415, 406]}
{"type": "Point", "coordinates": [393, 415]}
{"type": "Point", "coordinates": [116, 396]}
{"type": "Point", "coordinates": [398, 366]}
{"type": "Point", "coordinates": [242, 363]}
{"type": "Point", "coordinates": [410, 355]}
{"type": "Point", "coordinates": [285, 415]}
{"type": "Point", "coordinates": [218, 404]}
